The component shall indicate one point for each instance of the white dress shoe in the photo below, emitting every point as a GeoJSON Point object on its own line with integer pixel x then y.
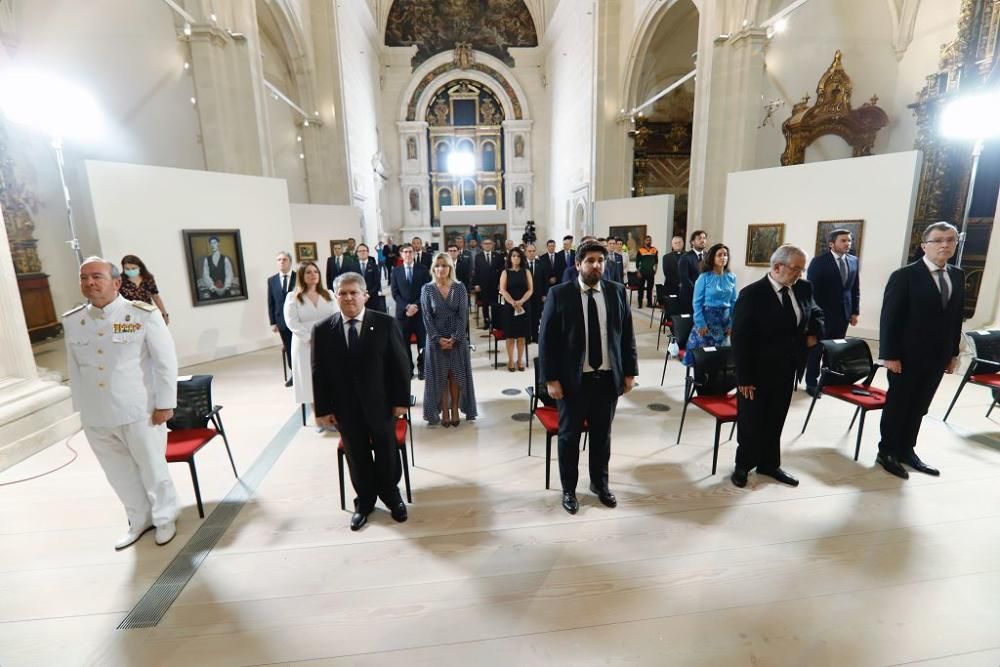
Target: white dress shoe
{"type": "Point", "coordinates": [165, 533]}
{"type": "Point", "coordinates": [132, 536]}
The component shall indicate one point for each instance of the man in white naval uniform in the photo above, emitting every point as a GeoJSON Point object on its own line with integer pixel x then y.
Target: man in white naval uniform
{"type": "Point", "coordinates": [123, 373]}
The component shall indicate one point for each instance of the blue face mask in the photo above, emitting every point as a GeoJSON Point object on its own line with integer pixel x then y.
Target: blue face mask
{"type": "Point", "coordinates": [132, 273]}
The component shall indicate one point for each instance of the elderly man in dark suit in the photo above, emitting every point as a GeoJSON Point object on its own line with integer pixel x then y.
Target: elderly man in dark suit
{"type": "Point", "coordinates": [278, 285]}
{"type": "Point", "coordinates": [587, 358]}
{"type": "Point", "coordinates": [689, 268]}
{"type": "Point", "coordinates": [836, 288]}
{"type": "Point", "coordinates": [406, 283]}
{"type": "Point", "coordinates": [920, 331]}
{"type": "Point", "coordinates": [775, 322]}
{"type": "Point", "coordinates": [486, 280]}
{"type": "Point", "coordinates": [361, 385]}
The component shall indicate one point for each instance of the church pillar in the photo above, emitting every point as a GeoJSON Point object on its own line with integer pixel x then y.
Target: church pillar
{"type": "Point", "coordinates": [518, 175]}
{"type": "Point", "coordinates": [612, 169]}
{"type": "Point", "coordinates": [414, 177]}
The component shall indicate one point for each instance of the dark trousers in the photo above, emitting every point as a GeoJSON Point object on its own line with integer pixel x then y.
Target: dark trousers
{"type": "Point", "coordinates": [376, 477]}
{"type": "Point", "coordinates": [646, 283]}
{"type": "Point", "coordinates": [834, 329]}
{"type": "Point", "coordinates": [491, 314]}
{"type": "Point", "coordinates": [286, 340]}
{"type": "Point", "coordinates": [759, 422]}
{"type": "Point", "coordinates": [910, 394]}
{"type": "Point", "coordinates": [410, 326]}
{"type": "Point", "coordinates": [535, 313]}
{"type": "Point", "coordinates": [595, 402]}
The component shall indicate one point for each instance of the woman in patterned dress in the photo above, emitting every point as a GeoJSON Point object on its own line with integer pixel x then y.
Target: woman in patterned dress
{"type": "Point", "coordinates": [138, 284]}
{"type": "Point", "coordinates": [448, 387]}
{"type": "Point", "coordinates": [714, 297]}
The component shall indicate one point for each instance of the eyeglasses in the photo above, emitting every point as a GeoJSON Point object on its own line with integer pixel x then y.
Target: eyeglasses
{"type": "Point", "coordinates": [948, 241]}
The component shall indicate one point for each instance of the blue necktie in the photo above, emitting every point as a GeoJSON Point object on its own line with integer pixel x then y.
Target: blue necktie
{"type": "Point", "coordinates": [409, 274]}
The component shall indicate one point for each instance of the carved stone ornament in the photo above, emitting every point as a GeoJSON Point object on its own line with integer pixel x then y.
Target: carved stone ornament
{"type": "Point", "coordinates": [464, 58]}
{"type": "Point", "coordinates": [832, 114]}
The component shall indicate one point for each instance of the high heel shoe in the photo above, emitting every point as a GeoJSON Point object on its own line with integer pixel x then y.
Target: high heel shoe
{"type": "Point", "coordinates": [510, 367]}
{"type": "Point", "coordinates": [456, 418]}
{"type": "Point", "coordinates": [520, 366]}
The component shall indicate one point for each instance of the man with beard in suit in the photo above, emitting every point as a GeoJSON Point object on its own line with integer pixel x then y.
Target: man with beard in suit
{"type": "Point", "coordinates": [689, 267]}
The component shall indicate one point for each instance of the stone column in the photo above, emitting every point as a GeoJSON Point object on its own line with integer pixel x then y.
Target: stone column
{"type": "Point", "coordinates": [414, 177]}
{"type": "Point", "coordinates": [519, 178]}
{"type": "Point", "coordinates": [16, 358]}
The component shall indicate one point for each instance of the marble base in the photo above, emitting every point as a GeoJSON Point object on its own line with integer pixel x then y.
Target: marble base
{"type": "Point", "coordinates": [33, 415]}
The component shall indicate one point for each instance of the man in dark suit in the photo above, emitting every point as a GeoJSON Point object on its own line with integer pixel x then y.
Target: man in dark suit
{"type": "Point", "coordinates": [486, 280]}
{"type": "Point", "coordinates": [361, 385]}
{"type": "Point", "coordinates": [689, 268]}
{"type": "Point", "coordinates": [463, 263]}
{"type": "Point", "coordinates": [587, 359]}
{"type": "Point", "coordinates": [420, 254]}
{"type": "Point", "coordinates": [775, 321]}
{"type": "Point", "coordinates": [671, 266]}
{"type": "Point", "coordinates": [407, 281]}
{"type": "Point", "coordinates": [616, 258]}
{"type": "Point", "coordinates": [548, 261]}
{"type": "Point", "coordinates": [538, 277]}
{"type": "Point", "coordinates": [565, 258]}
{"type": "Point", "coordinates": [920, 331]}
{"type": "Point", "coordinates": [339, 263]}
{"type": "Point", "coordinates": [369, 268]}
{"type": "Point", "coordinates": [278, 286]}
{"type": "Point", "coordinates": [834, 277]}
{"type": "Point", "coordinates": [390, 255]}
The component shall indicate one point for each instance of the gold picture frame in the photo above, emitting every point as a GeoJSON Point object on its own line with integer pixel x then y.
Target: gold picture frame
{"type": "Point", "coordinates": [306, 251]}
{"type": "Point", "coordinates": [762, 241]}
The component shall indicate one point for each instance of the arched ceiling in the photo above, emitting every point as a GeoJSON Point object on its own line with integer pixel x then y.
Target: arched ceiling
{"type": "Point", "coordinates": [433, 26]}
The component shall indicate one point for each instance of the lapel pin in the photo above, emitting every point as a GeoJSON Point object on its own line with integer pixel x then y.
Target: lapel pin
{"type": "Point", "coordinates": [128, 318]}
{"type": "Point", "coordinates": [83, 323]}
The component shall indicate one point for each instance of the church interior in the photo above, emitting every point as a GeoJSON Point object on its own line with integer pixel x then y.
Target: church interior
{"type": "Point", "coordinates": [169, 129]}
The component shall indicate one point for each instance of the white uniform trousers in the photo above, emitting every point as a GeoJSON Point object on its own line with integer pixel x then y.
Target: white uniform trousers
{"type": "Point", "coordinates": [134, 460]}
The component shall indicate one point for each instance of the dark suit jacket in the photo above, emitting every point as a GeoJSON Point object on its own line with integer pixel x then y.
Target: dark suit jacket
{"type": "Point", "coordinates": [562, 263]}
{"type": "Point", "coordinates": [463, 267]}
{"type": "Point", "coordinates": [672, 273]}
{"type": "Point", "coordinates": [348, 263]}
{"type": "Point", "coordinates": [406, 293]}
{"type": "Point", "coordinates": [426, 258]}
{"type": "Point", "coordinates": [375, 378]}
{"type": "Point", "coordinates": [539, 280]}
{"type": "Point", "coordinates": [276, 299]}
{"type": "Point", "coordinates": [688, 268]}
{"type": "Point", "coordinates": [762, 340]}
{"type": "Point", "coordinates": [838, 301]}
{"type": "Point", "coordinates": [550, 270]}
{"type": "Point", "coordinates": [563, 339]}
{"type": "Point", "coordinates": [915, 329]}
{"type": "Point", "coordinates": [611, 272]}
{"type": "Point", "coordinates": [487, 277]}
{"type": "Point", "coordinates": [373, 277]}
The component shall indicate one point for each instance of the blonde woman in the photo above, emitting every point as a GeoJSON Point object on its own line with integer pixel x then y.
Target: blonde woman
{"type": "Point", "coordinates": [448, 389]}
{"type": "Point", "coordinates": [307, 305]}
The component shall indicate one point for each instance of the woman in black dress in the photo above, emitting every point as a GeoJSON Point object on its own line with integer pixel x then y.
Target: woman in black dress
{"type": "Point", "coordinates": [516, 289]}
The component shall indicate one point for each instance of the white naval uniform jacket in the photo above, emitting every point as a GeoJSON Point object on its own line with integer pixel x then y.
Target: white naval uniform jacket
{"type": "Point", "coordinates": [122, 363]}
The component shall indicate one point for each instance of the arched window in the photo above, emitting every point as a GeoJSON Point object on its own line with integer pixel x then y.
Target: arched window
{"type": "Point", "coordinates": [441, 151]}
{"type": "Point", "coordinates": [468, 188]}
{"type": "Point", "coordinates": [490, 196]}
{"type": "Point", "coordinates": [489, 156]}
{"type": "Point", "coordinates": [444, 198]}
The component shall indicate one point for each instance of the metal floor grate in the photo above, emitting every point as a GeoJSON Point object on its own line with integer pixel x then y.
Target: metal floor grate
{"type": "Point", "coordinates": [155, 603]}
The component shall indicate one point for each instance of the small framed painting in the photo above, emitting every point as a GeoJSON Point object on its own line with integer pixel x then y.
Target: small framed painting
{"type": "Point", "coordinates": [762, 241]}
{"type": "Point", "coordinates": [215, 265]}
{"type": "Point", "coordinates": [305, 251]}
{"type": "Point", "coordinates": [824, 227]}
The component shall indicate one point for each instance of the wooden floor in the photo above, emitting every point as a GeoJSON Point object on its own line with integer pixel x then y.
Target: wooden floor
{"type": "Point", "coordinates": [853, 567]}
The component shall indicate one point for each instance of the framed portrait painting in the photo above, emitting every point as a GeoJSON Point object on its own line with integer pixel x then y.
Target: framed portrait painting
{"type": "Point", "coordinates": [215, 265]}
{"type": "Point", "coordinates": [341, 242]}
{"type": "Point", "coordinates": [632, 236]}
{"type": "Point", "coordinates": [305, 251]}
{"type": "Point", "coordinates": [824, 227]}
{"type": "Point", "coordinates": [762, 241]}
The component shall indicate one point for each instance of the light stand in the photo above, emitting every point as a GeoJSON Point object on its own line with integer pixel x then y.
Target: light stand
{"type": "Point", "coordinates": [74, 240]}
{"type": "Point", "coordinates": [977, 150]}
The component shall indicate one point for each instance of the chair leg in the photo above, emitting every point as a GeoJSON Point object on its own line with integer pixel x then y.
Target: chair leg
{"type": "Point", "coordinates": [715, 450]}
{"type": "Point", "coordinates": [861, 428]}
{"type": "Point", "coordinates": [197, 488]}
{"type": "Point", "coordinates": [548, 457]}
{"type": "Point", "coordinates": [810, 413]}
{"type": "Point", "coordinates": [961, 386]}
{"type": "Point", "coordinates": [651, 311]}
{"type": "Point", "coordinates": [303, 414]}
{"type": "Point", "coordinates": [409, 429]}
{"type": "Point", "coordinates": [340, 471]}
{"type": "Point", "coordinates": [225, 441]}
{"type": "Point", "coordinates": [731, 432]}
{"type": "Point", "coordinates": [531, 423]}
{"type": "Point", "coordinates": [992, 405]}
{"type": "Point", "coordinates": [406, 470]}
{"type": "Point", "coordinates": [586, 434]}
{"type": "Point", "coordinates": [680, 428]}
{"type": "Point", "coordinates": [854, 418]}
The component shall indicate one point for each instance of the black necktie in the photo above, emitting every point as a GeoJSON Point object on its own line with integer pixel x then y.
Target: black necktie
{"type": "Point", "coordinates": [531, 266]}
{"type": "Point", "coordinates": [352, 334]}
{"type": "Point", "coordinates": [594, 356]}
{"type": "Point", "coordinates": [786, 306]}
{"type": "Point", "coordinates": [843, 269]}
{"type": "Point", "coordinates": [943, 285]}
{"type": "Point", "coordinates": [284, 284]}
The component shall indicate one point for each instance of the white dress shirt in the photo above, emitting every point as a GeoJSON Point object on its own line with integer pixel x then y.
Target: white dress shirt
{"type": "Point", "coordinates": [602, 318]}
{"type": "Point", "coordinates": [776, 286]}
{"type": "Point", "coordinates": [933, 268]}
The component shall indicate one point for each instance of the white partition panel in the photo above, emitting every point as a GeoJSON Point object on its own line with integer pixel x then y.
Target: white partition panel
{"type": "Point", "coordinates": [656, 212]}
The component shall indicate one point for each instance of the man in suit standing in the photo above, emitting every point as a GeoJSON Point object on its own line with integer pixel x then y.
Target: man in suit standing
{"type": "Point", "coordinates": [565, 258]}
{"type": "Point", "coordinates": [407, 281]}
{"type": "Point", "coordinates": [689, 268]}
{"type": "Point", "coordinates": [420, 254]}
{"type": "Point", "coordinates": [671, 266]}
{"type": "Point", "coordinates": [486, 281]}
{"type": "Point", "coordinates": [921, 328]}
{"type": "Point", "coordinates": [548, 261]}
{"type": "Point", "coordinates": [390, 254]}
{"type": "Point", "coordinates": [538, 277]}
{"type": "Point", "coordinates": [361, 385]}
{"type": "Point", "coordinates": [278, 285]}
{"type": "Point", "coordinates": [369, 268]}
{"type": "Point", "coordinates": [775, 321]}
{"type": "Point", "coordinates": [339, 263]}
{"type": "Point", "coordinates": [834, 277]}
{"type": "Point", "coordinates": [587, 357]}
{"type": "Point", "coordinates": [616, 258]}
{"type": "Point", "coordinates": [463, 262]}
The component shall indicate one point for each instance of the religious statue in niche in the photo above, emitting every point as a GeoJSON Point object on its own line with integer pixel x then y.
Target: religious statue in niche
{"type": "Point", "coordinates": [411, 148]}
{"type": "Point", "coordinates": [519, 146]}
{"type": "Point", "coordinates": [414, 200]}
{"type": "Point", "coordinates": [439, 113]}
{"type": "Point", "coordinates": [463, 55]}
{"type": "Point", "coordinates": [488, 113]}
{"type": "Point", "coordinates": [519, 197]}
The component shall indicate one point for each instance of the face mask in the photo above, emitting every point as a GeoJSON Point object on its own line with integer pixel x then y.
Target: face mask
{"type": "Point", "coordinates": [132, 273]}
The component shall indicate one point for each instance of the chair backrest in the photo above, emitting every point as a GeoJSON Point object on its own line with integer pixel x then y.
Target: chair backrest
{"type": "Point", "coordinates": [674, 304]}
{"type": "Point", "coordinates": [683, 325]}
{"type": "Point", "coordinates": [661, 296]}
{"type": "Point", "coordinates": [194, 402]}
{"type": "Point", "coordinates": [541, 391]}
{"type": "Point", "coordinates": [987, 344]}
{"type": "Point", "coordinates": [845, 362]}
{"type": "Point", "coordinates": [632, 280]}
{"type": "Point", "coordinates": [714, 370]}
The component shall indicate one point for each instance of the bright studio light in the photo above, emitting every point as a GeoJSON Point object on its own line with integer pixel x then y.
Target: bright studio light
{"type": "Point", "coordinates": [972, 117]}
{"type": "Point", "coordinates": [461, 163]}
{"type": "Point", "coordinates": [781, 26]}
{"type": "Point", "coordinates": [57, 107]}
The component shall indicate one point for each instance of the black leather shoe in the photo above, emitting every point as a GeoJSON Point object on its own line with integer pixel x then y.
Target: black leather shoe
{"type": "Point", "coordinates": [570, 503]}
{"type": "Point", "coordinates": [892, 465]}
{"type": "Point", "coordinates": [739, 478]}
{"type": "Point", "coordinates": [914, 462]}
{"type": "Point", "coordinates": [399, 514]}
{"type": "Point", "coordinates": [606, 497]}
{"type": "Point", "coordinates": [420, 375]}
{"type": "Point", "coordinates": [289, 383]}
{"type": "Point", "coordinates": [779, 475]}
{"type": "Point", "coordinates": [814, 392]}
{"type": "Point", "coordinates": [358, 520]}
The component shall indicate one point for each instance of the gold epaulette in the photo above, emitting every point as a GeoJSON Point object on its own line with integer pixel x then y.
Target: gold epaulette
{"type": "Point", "coordinates": [148, 307]}
{"type": "Point", "coordinates": [75, 309]}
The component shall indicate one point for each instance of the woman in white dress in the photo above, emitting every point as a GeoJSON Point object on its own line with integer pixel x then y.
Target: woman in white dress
{"type": "Point", "coordinates": [307, 305]}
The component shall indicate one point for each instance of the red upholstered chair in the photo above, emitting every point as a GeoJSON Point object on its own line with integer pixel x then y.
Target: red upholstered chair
{"type": "Point", "coordinates": [713, 379]}
{"type": "Point", "coordinates": [402, 426]}
{"type": "Point", "coordinates": [496, 335]}
{"type": "Point", "coordinates": [195, 423]}
{"type": "Point", "coordinates": [985, 367]}
{"type": "Point", "coordinates": [845, 362]}
{"type": "Point", "coordinates": [682, 326]}
{"type": "Point", "coordinates": [548, 416]}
